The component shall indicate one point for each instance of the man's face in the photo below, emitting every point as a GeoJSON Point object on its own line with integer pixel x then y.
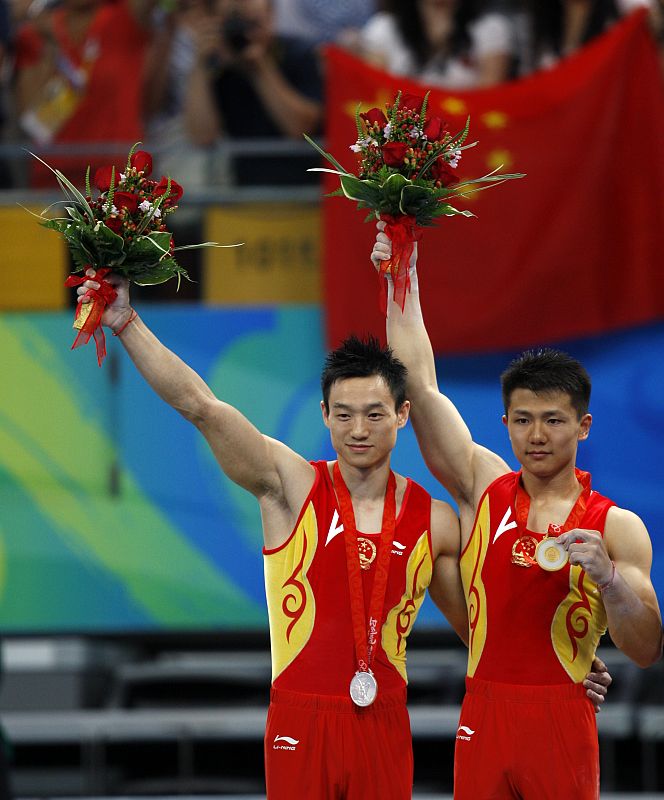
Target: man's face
{"type": "Point", "coordinates": [544, 430]}
{"type": "Point", "coordinates": [362, 420]}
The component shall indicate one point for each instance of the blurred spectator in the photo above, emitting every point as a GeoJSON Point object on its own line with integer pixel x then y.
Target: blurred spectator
{"type": "Point", "coordinates": [556, 28]}
{"type": "Point", "coordinates": [168, 78]}
{"type": "Point", "coordinates": [322, 21]}
{"type": "Point", "coordinates": [5, 48]}
{"type": "Point", "coordinates": [248, 83]}
{"type": "Point", "coordinates": [79, 77]}
{"type": "Point", "coordinates": [458, 44]}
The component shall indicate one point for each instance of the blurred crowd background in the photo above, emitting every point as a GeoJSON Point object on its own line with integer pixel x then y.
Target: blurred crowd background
{"type": "Point", "coordinates": [184, 76]}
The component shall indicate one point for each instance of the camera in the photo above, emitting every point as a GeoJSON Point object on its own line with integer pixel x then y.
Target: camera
{"type": "Point", "coordinates": [236, 31]}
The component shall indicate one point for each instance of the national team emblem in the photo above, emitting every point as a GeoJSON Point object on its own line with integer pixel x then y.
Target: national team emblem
{"type": "Point", "coordinates": [367, 551]}
{"type": "Point", "coordinates": [523, 551]}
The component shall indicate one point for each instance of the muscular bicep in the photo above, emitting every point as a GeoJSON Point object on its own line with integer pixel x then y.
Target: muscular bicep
{"type": "Point", "coordinates": [446, 589]}
{"type": "Point", "coordinates": [463, 467]}
{"type": "Point", "coordinates": [628, 545]}
{"type": "Point", "coordinates": [258, 463]}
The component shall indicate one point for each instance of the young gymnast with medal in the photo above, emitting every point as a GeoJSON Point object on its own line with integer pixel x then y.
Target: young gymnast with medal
{"type": "Point", "coordinates": [547, 565]}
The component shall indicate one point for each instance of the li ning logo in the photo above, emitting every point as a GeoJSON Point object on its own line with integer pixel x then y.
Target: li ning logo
{"type": "Point", "coordinates": [464, 733]}
{"type": "Point", "coordinates": [290, 744]}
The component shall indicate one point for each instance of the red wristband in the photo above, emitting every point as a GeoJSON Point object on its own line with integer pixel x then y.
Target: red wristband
{"type": "Point", "coordinates": [131, 319]}
{"type": "Point", "coordinates": [603, 586]}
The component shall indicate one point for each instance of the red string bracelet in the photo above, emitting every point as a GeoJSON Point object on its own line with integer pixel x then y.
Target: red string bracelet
{"type": "Point", "coordinates": [131, 319]}
{"type": "Point", "coordinates": [603, 586]}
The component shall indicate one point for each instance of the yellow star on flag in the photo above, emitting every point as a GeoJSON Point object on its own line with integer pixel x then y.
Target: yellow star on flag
{"type": "Point", "coordinates": [382, 98]}
{"type": "Point", "coordinates": [454, 106]}
{"type": "Point", "coordinates": [495, 119]}
{"type": "Point", "coordinates": [499, 158]}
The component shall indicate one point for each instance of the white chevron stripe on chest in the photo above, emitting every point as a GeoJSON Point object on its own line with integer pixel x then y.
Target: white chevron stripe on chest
{"type": "Point", "coordinates": [335, 528]}
{"type": "Point", "coordinates": [504, 525]}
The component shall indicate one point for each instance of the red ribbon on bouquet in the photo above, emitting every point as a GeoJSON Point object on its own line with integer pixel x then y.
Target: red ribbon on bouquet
{"type": "Point", "coordinates": [403, 232]}
{"type": "Point", "coordinates": [100, 298]}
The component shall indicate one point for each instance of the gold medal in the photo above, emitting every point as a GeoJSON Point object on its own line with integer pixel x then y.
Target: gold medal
{"type": "Point", "coordinates": [551, 555]}
{"type": "Point", "coordinates": [523, 551]}
{"type": "Point", "coordinates": [367, 551]}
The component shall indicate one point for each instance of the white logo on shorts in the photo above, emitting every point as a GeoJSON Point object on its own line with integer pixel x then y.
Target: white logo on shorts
{"type": "Point", "coordinates": [290, 743]}
{"type": "Point", "coordinates": [464, 733]}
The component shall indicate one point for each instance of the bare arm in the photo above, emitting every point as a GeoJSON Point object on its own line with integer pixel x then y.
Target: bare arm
{"type": "Point", "coordinates": [633, 614]}
{"type": "Point", "coordinates": [293, 112]}
{"type": "Point", "coordinates": [446, 589]}
{"type": "Point", "coordinates": [271, 471]}
{"type": "Point", "coordinates": [201, 115]}
{"type": "Point", "coordinates": [464, 468]}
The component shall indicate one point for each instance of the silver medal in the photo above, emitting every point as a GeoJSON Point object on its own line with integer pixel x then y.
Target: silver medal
{"type": "Point", "coordinates": [363, 688]}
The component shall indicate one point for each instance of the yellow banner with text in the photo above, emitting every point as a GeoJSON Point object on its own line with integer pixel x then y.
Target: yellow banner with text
{"type": "Point", "coordinates": [278, 261]}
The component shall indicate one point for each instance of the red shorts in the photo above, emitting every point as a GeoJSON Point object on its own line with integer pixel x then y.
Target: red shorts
{"type": "Point", "coordinates": [326, 748]}
{"type": "Point", "coordinates": [526, 743]}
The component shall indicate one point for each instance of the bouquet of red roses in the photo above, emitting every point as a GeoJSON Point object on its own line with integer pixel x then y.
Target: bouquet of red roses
{"type": "Point", "coordinates": [406, 175]}
{"type": "Point", "coordinates": [121, 227]}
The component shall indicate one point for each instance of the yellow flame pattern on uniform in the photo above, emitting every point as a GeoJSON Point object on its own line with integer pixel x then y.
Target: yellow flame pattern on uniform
{"type": "Point", "coordinates": [290, 598]}
{"type": "Point", "coordinates": [578, 625]}
{"type": "Point", "coordinates": [399, 621]}
{"type": "Point", "coordinates": [471, 564]}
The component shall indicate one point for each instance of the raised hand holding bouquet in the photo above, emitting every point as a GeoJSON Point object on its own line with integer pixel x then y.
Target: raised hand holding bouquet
{"type": "Point", "coordinates": [406, 175]}
{"type": "Point", "coordinates": [121, 230]}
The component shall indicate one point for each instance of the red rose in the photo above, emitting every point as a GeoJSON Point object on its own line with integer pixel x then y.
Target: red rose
{"type": "Point", "coordinates": [102, 179]}
{"type": "Point", "coordinates": [175, 193]}
{"type": "Point", "coordinates": [114, 223]}
{"type": "Point", "coordinates": [435, 129]}
{"type": "Point", "coordinates": [441, 171]}
{"type": "Point", "coordinates": [411, 101]}
{"type": "Point", "coordinates": [126, 200]}
{"type": "Point", "coordinates": [394, 153]}
{"type": "Point", "coordinates": [373, 116]}
{"type": "Point", "coordinates": [142, 161]}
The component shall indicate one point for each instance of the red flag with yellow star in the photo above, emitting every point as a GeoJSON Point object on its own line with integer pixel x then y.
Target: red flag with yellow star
{"type": "Point", "coordinates": [571, 250]}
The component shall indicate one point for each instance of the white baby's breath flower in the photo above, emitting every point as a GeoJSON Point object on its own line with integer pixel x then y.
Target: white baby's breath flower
{"type": "Point", "coordinates": [157, 213]}
{"type": "Point", "coordinates": [415, 132]}
{"type": "Point", "coordinates": [145, 206]}
{"type": "Point", "coordinates": [356, 148]}
{"type": "Point", "coordinates": [454, 160]}
{"type": "Point", "coordinates": [387, 130]}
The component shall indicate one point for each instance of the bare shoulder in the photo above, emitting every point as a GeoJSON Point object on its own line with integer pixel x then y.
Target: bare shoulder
{"type": "Point", "coordinates": [487, 466]}
{"type": "Point", "coordinates": [445, 529]}
{"type": "Point", "coordinates": [626, 536]}
{"type": "Point", "coordinates": [296, 474]}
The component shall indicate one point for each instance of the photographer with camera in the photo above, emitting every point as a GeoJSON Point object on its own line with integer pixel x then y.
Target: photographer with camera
{"type": "Point", "coordinates": [246, 83]}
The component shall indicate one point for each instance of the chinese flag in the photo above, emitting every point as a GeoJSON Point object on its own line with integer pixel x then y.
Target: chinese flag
{"type": "Point", "coordinates": [575, 248]}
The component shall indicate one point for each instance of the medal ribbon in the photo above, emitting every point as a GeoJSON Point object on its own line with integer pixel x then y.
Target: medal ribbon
{"type": "Point", "coordinates": [101, 297]}
{"type": "Point", "coordinates": [403, 231]}
{"type": "Point", "coordinates": [522, 507]}
{"type": "Point", "coordinates": [365, 639]}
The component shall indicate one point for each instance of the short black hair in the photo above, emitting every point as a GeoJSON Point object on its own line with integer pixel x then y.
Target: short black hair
{"type": "Point", "coordinates": [548, 370]}
{"type": "Point", "coordinates": [362, 358]}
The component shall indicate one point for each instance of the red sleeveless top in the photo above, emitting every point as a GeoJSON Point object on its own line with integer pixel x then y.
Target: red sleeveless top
{"type": "Point", "coordinates": [527, 625]}
{"type": "Point", "coordinates": [306, 581]}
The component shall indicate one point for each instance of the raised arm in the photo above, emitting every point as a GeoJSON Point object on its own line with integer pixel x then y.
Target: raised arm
{"type": "Point", "coordinates": [464, 468]}
{"type": "Point", "coordinates": [278, 477]}
{"type": "Point", "coordinates": [620, 565]}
